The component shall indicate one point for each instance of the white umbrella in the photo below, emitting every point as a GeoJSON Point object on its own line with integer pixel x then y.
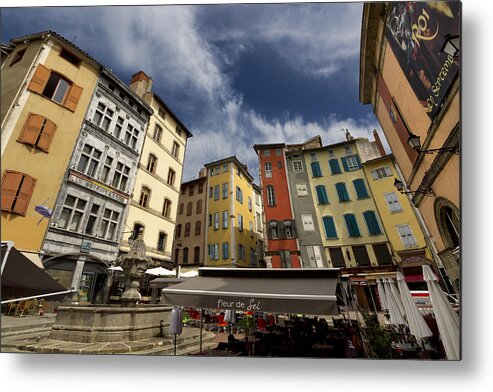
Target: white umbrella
{"type": "Point", "coordinates": [417, 324]}
{"type": "Point", "coordinates": [175, 326]}
{"type": "Point", "coordinates": [160, 271]}
{"type": "Point", "coordinates": [189, 274]}
{"type": "Point", "coordinates": [230, 317]}
{"type": "Point", "coordinates": [396, 317]}
{"type": "Point", "coordinates": [397, 296]}
{"type": "Point", "coordinates": [446, 318]}
{"type": "Point", "coordinates": [381, 295]}
{"type": "Point", "coordinates": [114, 268]}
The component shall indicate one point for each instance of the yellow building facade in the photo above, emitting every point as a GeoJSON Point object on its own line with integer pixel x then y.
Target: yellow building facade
{"type": "Point", "coordinates": [230, 216]}
{"type": "Point", "coordinates": [47, 84]}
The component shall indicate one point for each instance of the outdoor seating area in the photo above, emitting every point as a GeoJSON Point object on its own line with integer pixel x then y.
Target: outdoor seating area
{"type": "Point", "coordinates": [31, 307]}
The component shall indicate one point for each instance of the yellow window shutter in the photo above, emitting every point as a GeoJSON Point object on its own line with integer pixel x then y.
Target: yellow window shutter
{"type": "Point", "coordinates": [24, 196]}
{"type": "Point", "coordinates": [30, 131]}
{"type": "Point", "coordinates": [39, 79]}
{"type": "Point", "coordinates": [47, 136]}
{"type": "Point", "coordinates": [73, 97]}
{"type": "Point", "coordinates": [10, 184]}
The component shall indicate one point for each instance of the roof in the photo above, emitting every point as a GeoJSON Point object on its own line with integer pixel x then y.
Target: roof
{"type": "Point", "coordinates": [383, 158]}
{"type": "Point", "coordinates": [232, 159]}
{"type": "Point", "coordinates": [163, 104]}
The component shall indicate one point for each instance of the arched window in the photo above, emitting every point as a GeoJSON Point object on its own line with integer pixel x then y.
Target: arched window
{"type": "Point", "coordinates": [189, 208]}
{"type": "Point", "coordinates": [152, 163]}
{"type": "Point", "coordinates": [187, 229]}
{"type": "Point", "coordinates": [178, 231]}
{"type": "Point", "coordinates": [185, 256]}
{"type": "Point", "coordinates": [196, 254]}
{"type": "Point", "coordinates": [271, 197]}
{"type": "Point", "coordinates": [198, 225]}
{"type": "Point", "coordinates": [145, 195]}
{"type": "Point", "coordinates": [448, 222]}
{"type": "Point", "coordinates": [199, 207]}
{"type": "Point", "coordinates": [161, 242]}
{"type": "Point", "coordinates": [167, 208]}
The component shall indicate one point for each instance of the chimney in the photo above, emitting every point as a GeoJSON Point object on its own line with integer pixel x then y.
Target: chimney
{"type": "Point", "coordinates": [203, 172]}
{"type": "Point", "coordinates": [378, 142]}
{"type": "Point", "coordinates": [141, 83]}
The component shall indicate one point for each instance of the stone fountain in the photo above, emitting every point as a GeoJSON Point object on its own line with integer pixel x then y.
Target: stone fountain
{"type": "Point", "coordinates": [129, 321]}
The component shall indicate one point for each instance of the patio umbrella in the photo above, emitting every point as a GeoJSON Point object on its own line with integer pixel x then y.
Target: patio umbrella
{"type": "Point", "coordinates": [189, 274]}
{"type": "Point", "coordinates": [115, 268]}
{"type": "Point", "coordinates": [175, 326]}
{"type": "Point", "coordinates": [396, 295]}
{"type": "Point", "coordinates": [396, 317]}
{"type": "Point", "coordinates": [230, 318]}
{"type": "Point", "coordinates": [381, 294]}
{"type": "Point", "coordinates": [160, 271]}
{"type": "Point", "coordinates": [417, 324]}
{"type": "Point", "coordinates": [446, 318]}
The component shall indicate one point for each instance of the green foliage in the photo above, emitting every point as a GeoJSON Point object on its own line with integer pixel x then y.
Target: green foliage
{"type": "Point", "coordinates": [246, 323]}
{"type": "Point", "coordinates": [379, 338]}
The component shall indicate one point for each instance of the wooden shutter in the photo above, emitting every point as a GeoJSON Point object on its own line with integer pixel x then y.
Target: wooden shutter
{"type": "Point", "coordinates": [334, 166]}
{"type": "Point", "coordinates": [31, 129]}
{"type": "Point", "coordinates": [358, 160]}
{"type": "Point", "coordinates": [344, 164]}
{"type": "Point", "coordinates": [10, 184]}
{"type": "Point", "coordinates": [330, 230]}
{"type": "Point", "coordinates": [360, 188]}
{"type": "Point", "coordinates": [73, 97]}
{"type": "Point", "coordinates": [39, 79]}
{"type": "Point", "coordinates": [46, 138]}
{"type": "Point", "coordinates": [24, 196]}
{"type": "Point", "coordinates": [372, 223]}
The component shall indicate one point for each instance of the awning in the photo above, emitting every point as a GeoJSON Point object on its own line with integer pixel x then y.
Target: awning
{"type": "Point", "coordinates": [21, 278]}
{"type": "Point", "coordinates": [305, 291]}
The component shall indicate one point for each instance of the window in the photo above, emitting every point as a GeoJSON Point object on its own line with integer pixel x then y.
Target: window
{"type": "Point", "coordinates": [351, 163]}
{"type": "Point", "coordinates": [331, 153]}
{"type": "Point", "coordinates": [322, 194]}
{"type": "Point", "coordinates": [198, 210]}
{"type": "Point", "coordinates": [167, 208]}
{"type": "Point", "coordinates": [216, 221]}
{"type": "Point", "coordinates": [285, 258]}
{"type": "Point", "coordinates": [191, 190]}
{"type": "Point", "coordinates": [88, 161]}
{"type": "Point", "coordinates": [72, 212]}
{"type": "Point", "coordinates": [313, 157]}
{"type": "Point", "coordinates": [225, 190]}
{"type": "Point", "coordinates": [372, 223]}
{"type": "Point", "coordinates": [106, 169]}
{"type": "Point", "coordinates": [257, 198]}
{"type": "Point", "coordinates": [301, 190]}
{"type": "Point", "coordinates": [187, 229]}
{"type": "Point", "coordinates": [329, 227]}
{"type": "Point", "coordinates": [241, 253]}
{"type": "Point", "coordinates": [71, 58]}
{"type": "Point", "coordinates": [216, 192]}
{"type": "Point", "coordinates": [183, 189]}
{"type": "Point", "coordinates": [158, 133]}
{"type": "Point", "coordinates": [352, 225]}
{"type": "Point", "coordinates": [145, 194]}
{"type": "Point", "coordinates": [298, 166]}
{"type": "Point", "coordinates": [178, 130]}
{"type": "Point", "coordinates": [316, 172]}
{"type": "Point", "coordinates": [178, 231]}
{"type": "Point", "coordinates": [381, 172]}
{"type": "Point", "coordinates": [250, 225]}
{"type": "Point", "coordinates": [334, 166]}
{"type": "Point", "coordinates": [120, 178]}
{"type": "Point", "coordinates": [393, 202]}
{"type": "Point", "coordinates": [211, 172]}
{"type": "Point", "coordinates": [198, 227]}
{"type": "Point", "coordinates": [278, 151]}
{"type": "Point", "coordinates": [162, 113]}
{"type": "Point", "coordinates": [259, 221]}
{"type": "Point", "coordinates": [342, 192]}
{"type": "Point", "coordinates": [213, 251]}
{"type": "Point", "coordinates": [189, 208]}
{"type": "Point", "coordinates": [211, 191]}
{"type": "Point", "coordinates": [268, 170]}
{"type": "Point", "coordinates": [131, 136]}
{"type": "Point", "coordinates": [175, 150]}
{"type": "Point", "coordinates": [382, 254]}
{"type": "Point", "coordinates": [210, 220]}
{"type": "Point", "coordinates": [180, 209]}
{"type": "Point", "coordinates": [360, 188]}
{"type": "Point", "coordinates": [196, 254]}
{"type": "Point", "coordinates": [225, 219]}
{"type": "Point", "coordinates": [152, 163]}
{"type": "Point", "coordinates": [107, 228]}
{"type": "Point", "coordinates": [348, 150]}
{"type": "Point", "coordinates": [91, 221]}
{"type": "Point", "coordinates": [225, 250]}
{"type": "Point", "coordinates": [253, 257]}
{"type": "Point", "coordinates": [55, 87]}
{"type": "Point", "coordinates": [266, 153]}
{"type": "Point", "coordinates": [315, 257]}
{"type": "Point", "coordinates": [240, 222]}
{"type": "Point", "coordinates": [17, 57]}
{"type": "Point", "coordinates": [307, 220]}
{"type": "Point", "coordinates": [337, 257]}
{"type": "Point", "coordinates": [239, 194]}
{"type": "Point", "coordinates": [289, 228]}
{"type": "Point", "coordinates": [249, 203]}
{"type": "Point", "coordinates": [407, 236]}
{"type": "Point", "coordinates": [279, 164]}
{"type": "Point", "coordinates": [225, 168]}
{"type": "Point", "coordinates": [361, 255]}
{"type": "Point", "coordinates": [118, 127]}
{"type": "Point", "coordinates": [171, 177]}
{"type": "Point", "coordinates": [161, 241]}
{"type": "Point", "coordinates": [217, 170]}
{"type": "Point", "coordinates": [38, 131]}
{"type": "Point", "coordinates": [103, 116]}
{"type": "Point", "coordinates": [201, 188]}
{"type": "Point", "coordinates": [271, 197]}
{"type": "Point", "coordinates": [274, 231]}
{"type": "Point", "coordinates": [185, 256]}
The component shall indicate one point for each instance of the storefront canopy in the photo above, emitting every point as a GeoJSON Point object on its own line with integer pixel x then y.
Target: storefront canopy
{"type": "Point", "coordinates": [22, 278]}
{"type": "Point", "coordinates": [305, 291]}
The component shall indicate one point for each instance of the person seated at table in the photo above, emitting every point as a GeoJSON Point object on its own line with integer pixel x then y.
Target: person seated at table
{"type": "Point", "coordinates": [231, 338]}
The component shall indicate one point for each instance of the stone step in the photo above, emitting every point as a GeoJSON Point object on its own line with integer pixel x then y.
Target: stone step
{"type": "Point", "coordinates": [25, 333]}
{"type": "Point", "coordinates": [183, 344]}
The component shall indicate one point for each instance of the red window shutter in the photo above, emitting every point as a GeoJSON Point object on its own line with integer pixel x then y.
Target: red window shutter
{"type": "Point", "coordinates": [30, 131]}
{"type": "Point", "coordinates": [39, 79]}
{"type": "Point", "coordinates": [73, 97]}
{"type": "Point", "coordinates": [47, 136]}
{"type": "Point", "coordinates": [10, 184]}
{"type": "Point", "coordinates": [24, 196]}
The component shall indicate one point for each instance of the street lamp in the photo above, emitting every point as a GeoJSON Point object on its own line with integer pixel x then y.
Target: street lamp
{"type": "Point", "coordinates": [451, 45]}
{"type": "Point", "coordinates": [415, 143]}
{"type": "Point", "coordinates": [400, 187]}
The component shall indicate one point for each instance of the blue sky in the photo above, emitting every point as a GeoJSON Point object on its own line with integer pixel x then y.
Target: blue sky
{"type": "Point", "coordinates": [236, 75]}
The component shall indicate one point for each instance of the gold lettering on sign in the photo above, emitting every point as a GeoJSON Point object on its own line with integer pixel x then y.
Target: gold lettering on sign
{"type": "Point", "coordinates": [421, 27]}
{"type": "Point", "coordinates": [437, 86]}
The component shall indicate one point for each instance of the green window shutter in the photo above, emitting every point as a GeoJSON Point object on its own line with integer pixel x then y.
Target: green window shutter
{"type": "Point", "coordinates": [344, 164]}
{"type": "Point", "coordinates": [358, 160]}
{"type": "Point", "coordinates": [322, 195]}
{"type": "Point", "coordinates": [352, 225]}
{"type": "Point", "coordinates": [360, 188]}
{"type": "Point", "coordinates": [372, 223]}
{"type": "Point", "coordinates": [330, 230]}
{"type": "Point", "coordinates": [342, 192]}
{"type": "Point", "coordinates": [225, 251]}
{"type": "Point", "coordinates": [334, 166]}
{"type": "Point", "coordinates": [316, 172]}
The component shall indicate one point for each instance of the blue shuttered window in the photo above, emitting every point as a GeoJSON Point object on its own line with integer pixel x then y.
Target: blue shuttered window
{"type": "Point", "coordinates": [225, 250]}
{"type": "Point", "coordinates": [371, 222]}
{"type": "Point", "coordinates": [352, 225]}
{"type": "Point", "coordinates": [360, 188]}
{"type": "Point", "coordinates": [330, 229]}
{"type": "Point", "coordinates": [344, 164]}
{"type": "Point", "coordinates": [322, 195]}
{"type": "Point", "coordinates": [316, 172]}
{"type": "Point", "coordinates": [342, 191]}
{"type": "Point", "coordinates": [334, 166]}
